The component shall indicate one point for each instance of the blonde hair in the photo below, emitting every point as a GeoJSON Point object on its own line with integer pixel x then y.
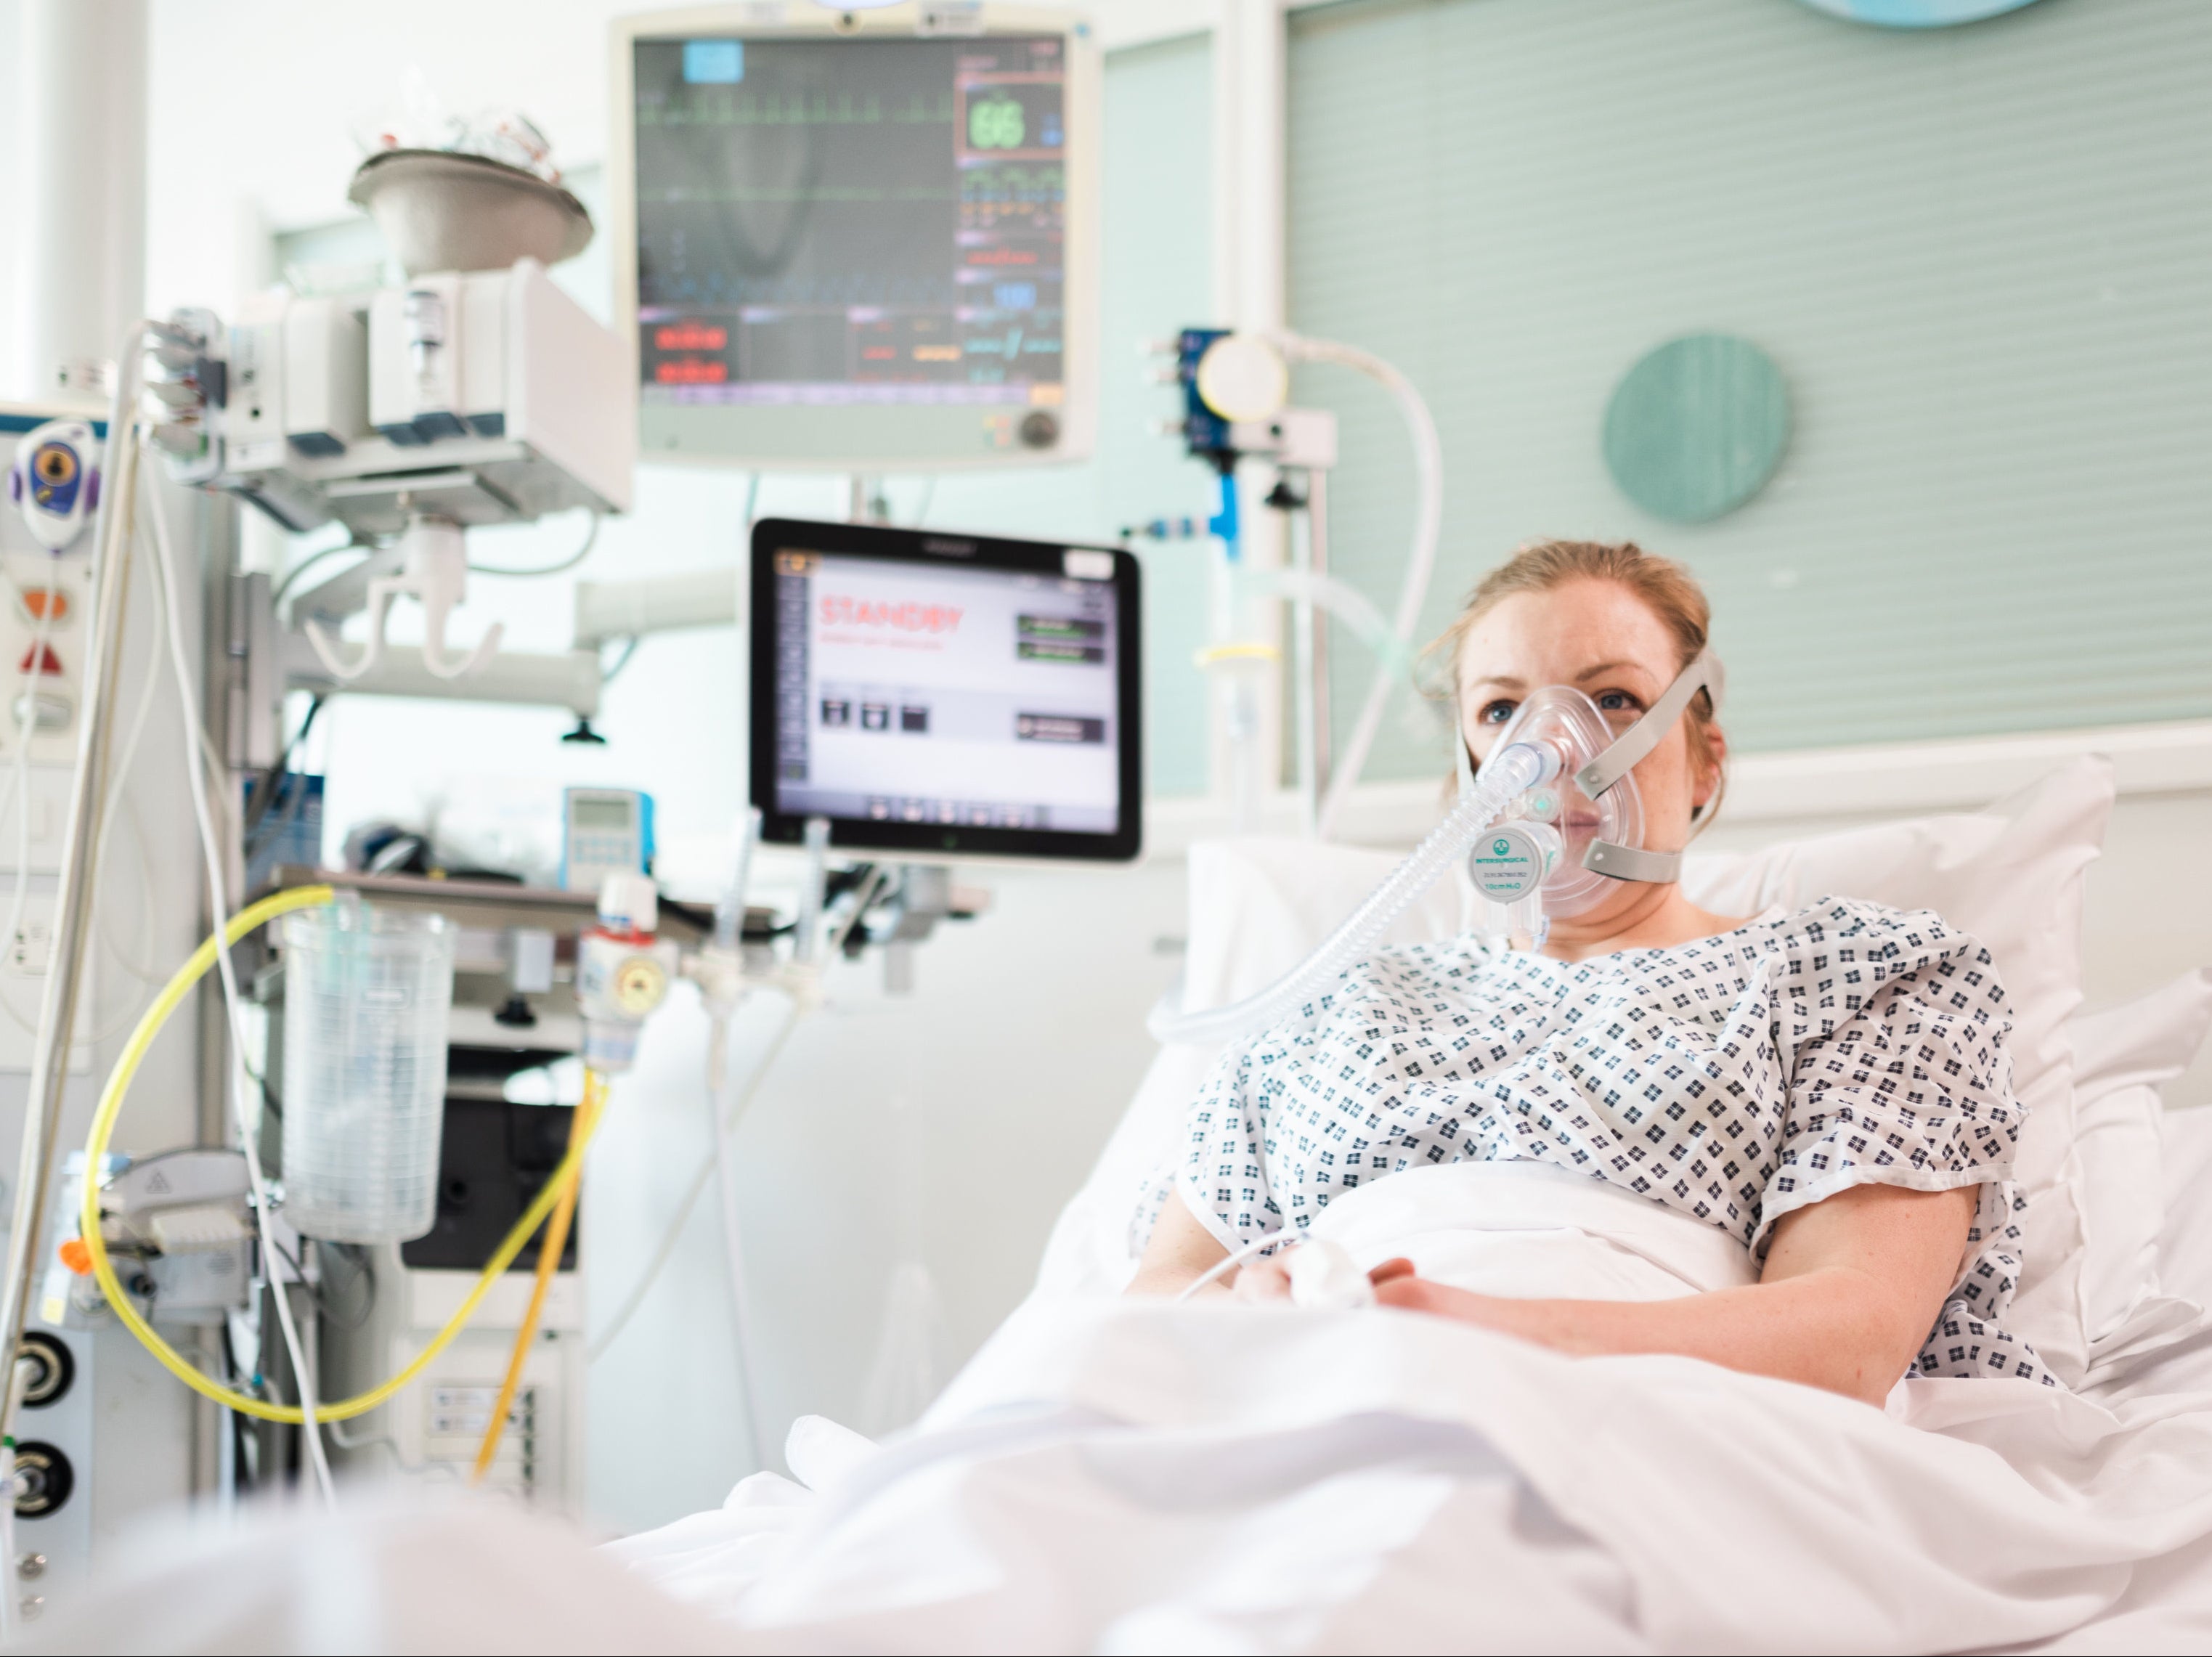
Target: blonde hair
{"type": "Point", "coordinates": [1668, 591]}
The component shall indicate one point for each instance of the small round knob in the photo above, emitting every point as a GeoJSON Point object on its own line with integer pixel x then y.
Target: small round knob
{"type": "Point", "coordinates": [639, 984]}
{"type": "Point", "coordinates": [1039, 429]}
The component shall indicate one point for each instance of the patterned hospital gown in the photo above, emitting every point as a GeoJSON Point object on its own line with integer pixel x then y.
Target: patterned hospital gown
{"type": "Point", "coordinates": [1734, 1078]}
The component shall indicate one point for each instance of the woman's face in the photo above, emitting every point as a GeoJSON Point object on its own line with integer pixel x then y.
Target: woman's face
{"type": "Point", "coordinates": [1602, 640]}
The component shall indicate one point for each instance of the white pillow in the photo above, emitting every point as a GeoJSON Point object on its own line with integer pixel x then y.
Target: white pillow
{"type": "Point", "coordinates": [2145, 1042]}
{"type": "Point", "coordinates": [2122, 1056]}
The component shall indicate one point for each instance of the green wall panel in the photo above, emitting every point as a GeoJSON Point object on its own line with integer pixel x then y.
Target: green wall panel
{"type": "Point", "coordinates": [1981, 256]}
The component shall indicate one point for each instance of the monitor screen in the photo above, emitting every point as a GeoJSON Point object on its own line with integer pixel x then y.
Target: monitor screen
{"type": "Point", "coordinates": [831, 223]}
{"type": "Point", "coordinates": [602, 812]}
{"type": "Point", "coordinates": [939, 693]}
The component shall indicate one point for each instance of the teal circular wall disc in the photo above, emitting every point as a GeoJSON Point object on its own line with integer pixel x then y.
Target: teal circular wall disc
{"type": "Point", "coordinates": [1696, 427]}
{"type": "Point", "coordinates": [1915, 14]}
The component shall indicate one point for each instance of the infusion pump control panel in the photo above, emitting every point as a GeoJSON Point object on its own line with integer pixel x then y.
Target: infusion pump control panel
{"type": "Point", "coordinates": [603, 831]}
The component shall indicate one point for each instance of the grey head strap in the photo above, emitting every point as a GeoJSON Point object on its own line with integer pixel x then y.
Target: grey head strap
{"type": "Point", "coordinates": [1625, 752]}
{"type": "Point", "coordinates": [1627, 862]}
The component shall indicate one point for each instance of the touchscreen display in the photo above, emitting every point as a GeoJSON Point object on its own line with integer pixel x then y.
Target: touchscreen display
{"type": "Point", "coordinates": [929, 693]}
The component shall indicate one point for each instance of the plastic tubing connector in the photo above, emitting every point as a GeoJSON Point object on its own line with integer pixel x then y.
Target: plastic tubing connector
{"type": "Point", "coordinates": [1506, 773]}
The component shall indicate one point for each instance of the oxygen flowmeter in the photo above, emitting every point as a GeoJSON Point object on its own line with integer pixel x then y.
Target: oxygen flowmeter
{"type": "Point", "coordinates": [55, 482]}
{"type": "Point", "coordinates": [623, 971]}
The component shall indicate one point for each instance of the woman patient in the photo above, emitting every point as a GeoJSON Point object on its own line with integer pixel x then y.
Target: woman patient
{"type": "Point", "coordinates": [1829, 1087]}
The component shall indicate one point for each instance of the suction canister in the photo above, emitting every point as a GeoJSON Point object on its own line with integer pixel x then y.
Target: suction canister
{"type": "Point", "coordinates": [368, 994]}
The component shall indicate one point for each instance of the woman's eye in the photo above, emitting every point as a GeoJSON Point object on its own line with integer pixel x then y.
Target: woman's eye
{"type": "Point", "coordinates": [1618, 702]}
{"type": "Point", "coordinates": [1495, 712]}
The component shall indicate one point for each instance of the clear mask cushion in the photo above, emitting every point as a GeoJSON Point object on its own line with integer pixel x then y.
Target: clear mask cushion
{"type": "Point", "coordinates": [1535, 850]}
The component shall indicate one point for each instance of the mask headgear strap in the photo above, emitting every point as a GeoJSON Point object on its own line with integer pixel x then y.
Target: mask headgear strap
{"type": "Point", "coordinates": [1622, 756]}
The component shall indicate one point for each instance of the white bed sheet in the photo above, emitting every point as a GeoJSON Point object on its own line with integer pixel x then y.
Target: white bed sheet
{"type": "Point", "coordinates": [1124, 1477]}
{"type": "Point", "coordinates": [2184, 1257]}
{"type": "Point", "coordinates": [1109, 1475]}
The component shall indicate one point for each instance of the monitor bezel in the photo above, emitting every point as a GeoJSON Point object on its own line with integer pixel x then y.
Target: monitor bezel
{"type": "Point", "coordinates": [801, 437]}
{"type": "Point", "coordinates": [938, 842]}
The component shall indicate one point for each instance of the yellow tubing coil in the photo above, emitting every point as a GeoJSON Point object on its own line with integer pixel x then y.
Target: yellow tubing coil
{"type": "Point", "coordinates": [103, 1126]}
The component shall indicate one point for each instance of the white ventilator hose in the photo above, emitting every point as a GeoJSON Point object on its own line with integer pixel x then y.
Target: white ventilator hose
{"type": "Point", "coordinates": [1347, 604]}
{"type": "Point", "coordinates": [1510, 772]}
{"type": "Point", "coordinates": [1421, 563]}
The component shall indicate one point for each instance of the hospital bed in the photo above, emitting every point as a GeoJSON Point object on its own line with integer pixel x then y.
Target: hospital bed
{"type": "Point", "coordinates": [1119, 1477]}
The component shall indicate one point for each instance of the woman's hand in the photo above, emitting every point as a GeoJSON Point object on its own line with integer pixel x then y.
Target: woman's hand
{"type": "Point", "coordinates": [1851, 1286]}
{"type": "Point", "coordinates": [1409, 1292]}
{"type": "Point", "coordinates": [1269, 1278]}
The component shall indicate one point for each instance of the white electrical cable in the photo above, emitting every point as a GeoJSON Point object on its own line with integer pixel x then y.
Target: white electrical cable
{"type": "Point", "coordinates": [606, 1337]}
{"type": "Point", "coordinates": [188, 706]}
{"type": "Point", "coordinates": [723, 1115]}
{"type": "Point", "coordinates": [733, 1248]}
{"type": "Point", "coordinates": [216, 772]}
{"type": "Point", "coordinates": [119, 802]}
{"type": "Point", "coordinates": [561, 567]}
{"type": "Point", "coordinates": [1421, 565]}
{"type": "Point", "coordinates": [1258, 1246]}
{"type": "Point", "coordinates": [143, 855]}
{"type": "Point", "coordinates": [290, 577]}
{"type": "Point", "coordinates": [729, 1117]}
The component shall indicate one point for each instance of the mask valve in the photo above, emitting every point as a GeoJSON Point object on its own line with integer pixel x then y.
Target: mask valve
{"type": "Point", "coordinates": [1511, 861]}
{"type": "Point", "coordinates": [1509, 864]}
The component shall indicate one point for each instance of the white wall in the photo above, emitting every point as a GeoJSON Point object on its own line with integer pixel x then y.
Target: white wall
{"type": "Point", "coordinates": [10, 255]}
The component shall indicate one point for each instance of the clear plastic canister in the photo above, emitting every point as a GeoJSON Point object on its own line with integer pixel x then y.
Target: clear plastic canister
{"type": "Point", "coordinates": [368, 995]}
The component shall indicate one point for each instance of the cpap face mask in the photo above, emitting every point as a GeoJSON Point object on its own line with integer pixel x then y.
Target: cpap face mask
{"type": "Point", "coordinates": [1555, 846]}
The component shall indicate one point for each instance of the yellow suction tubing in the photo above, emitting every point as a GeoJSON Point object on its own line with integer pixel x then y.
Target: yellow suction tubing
{"type": "Point", "coordinates": [1510, 772]}
{"type": "Point", "coordinates": [549, 1250]}
{"type": "Point", "coordinates": [103, 1127]}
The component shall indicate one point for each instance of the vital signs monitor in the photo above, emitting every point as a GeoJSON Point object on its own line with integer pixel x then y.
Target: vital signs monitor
{"type": "Point", "coordinates": [859, 240]}
{"type": "Point", "coordinates": [945, 695]}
